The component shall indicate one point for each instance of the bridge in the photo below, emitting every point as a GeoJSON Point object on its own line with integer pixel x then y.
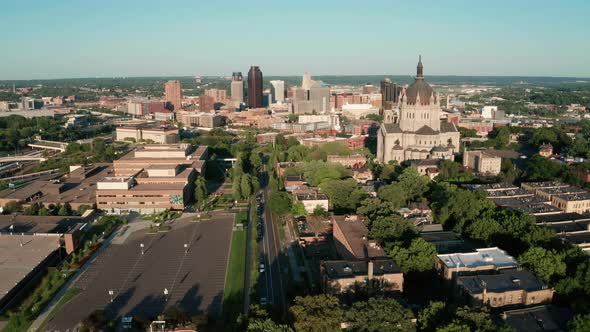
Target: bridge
{"type": "Point", "coordinates": [31, 175]}
{"type": "Point", "coordinates": [49, 145]}
{"type": "Point", "coordinates": [21, 158]}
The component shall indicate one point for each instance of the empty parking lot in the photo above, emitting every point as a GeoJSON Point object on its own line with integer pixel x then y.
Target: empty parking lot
{"type": "Point", "coordinates": [193, 275]}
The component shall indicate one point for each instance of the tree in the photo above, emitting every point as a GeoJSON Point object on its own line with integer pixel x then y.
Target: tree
{"type": "Point", "coordinates": [477, 318]}
{"type": "Point", "coordinates": [62, 211]}
{"type": "Point", "coordinates": [419, 257]}
{"type": "Point", "coordinates": [83, 208]}
{"type": "Point", "coordinates": [321, 313]}
{"type": "Point", "coordinates": [200, 191]}
{"type": "Point", "coordinates": [255, 160]}
{"type": "Point", "coordinates": [298, 209]}
{"type": "Point", "coordinates": [373, 208]}
{"type": "Point", "coordinates": [267, 325]}
{"type": "Point", "coordinates": [542, 169]}
{"type": "Point", "coordinates": [319, 211]}
{"type": "Point", "coordinates": [379, 314]}
{"type": "Point", "coordinates": [343, 194]}
{"type": "Point", "coordinates": [279, 203]}
{"type": "Point", "coordinates": [11, 207]}
{"type": "Point", "coordinates": [548, 265]}
{"type": "Point", "coordinates": [298, 153]}
{"type": "Point", "coordinates": [580, 323]}
{"type": "Point", "coordinates": [95, 322]}
{"type": "Point", "coordinates": [435, 314]}
{"type": "Point", "coordinates": [392, 230]}
{"type": "Point", "coordinates": [43, 211]}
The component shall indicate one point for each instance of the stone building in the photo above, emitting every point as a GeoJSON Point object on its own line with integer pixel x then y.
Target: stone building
{"type": "Point", "coordinates": [417, 132]}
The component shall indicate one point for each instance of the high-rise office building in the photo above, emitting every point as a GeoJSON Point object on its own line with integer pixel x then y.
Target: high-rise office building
{"type": "Point", "coordinates": [237, 87]}
{"type": "Point", "coordinates": [278, 91]}
{"type": "Point", "coordinates": [173, 92]}
{"type": "Point", "coordinates": [389, 93]}
{"type": "Point", "coordinates": [254, 87]}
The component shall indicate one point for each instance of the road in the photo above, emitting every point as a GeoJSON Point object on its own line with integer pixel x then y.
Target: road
{"type": "Point", "coordinates": [271, 282]}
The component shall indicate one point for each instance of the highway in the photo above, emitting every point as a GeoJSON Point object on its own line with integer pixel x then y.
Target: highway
{"type": "Point", "coordinates": [270, 282]}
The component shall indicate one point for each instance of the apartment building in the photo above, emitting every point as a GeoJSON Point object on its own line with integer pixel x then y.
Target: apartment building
{"type": "Point", "coordinates": [160, 135]}
{"type": "Point", "coordinates": [510, 287]}
{"type": "Point", "coordinates": [482, 162]}
{"type": "Point", "coordinates": [484, 260]}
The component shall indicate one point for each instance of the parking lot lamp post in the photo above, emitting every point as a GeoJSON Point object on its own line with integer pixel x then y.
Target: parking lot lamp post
{"type": "Point", "coordinates": [111, 293]}
{"type": "Point", "coordinates": [166, 294]}
{"type": "Point", "coordinates": [185, 248]}
{"type": "Point", "coordinates": [141, 245]}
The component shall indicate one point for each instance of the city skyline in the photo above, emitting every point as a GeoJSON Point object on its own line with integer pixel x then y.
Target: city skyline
{"type": "Point", "coordinates": [134, 39]}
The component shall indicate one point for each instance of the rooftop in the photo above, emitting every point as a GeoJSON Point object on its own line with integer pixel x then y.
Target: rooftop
{"type": "Point", "coordinates": [536, 209]}
{"type": "Point", "coordinates": [356, 235]}
{"type": "Point", "coordinates": [19, 261]}
{"type": "Point", "coordinates": [574, 196]}
{"type": "Point", "coordinates": [505, 280]}
{"type": "Point", "coordinates": [561, 217]}
{"type": "Point", "coordinates": [490, 186]}
{"type": "Point", "coordinates": [350, 269]}
{"type": "Point", "coordinates": [481, 257]}
{"type": "Point", "coordinates": [545, 184]}
{"type": "Point", "coordinates": [545, 318]}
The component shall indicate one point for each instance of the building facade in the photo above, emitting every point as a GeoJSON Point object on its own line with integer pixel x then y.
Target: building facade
{"type": "Point", "coordinates": [173, 91]}
{"type": "Point", "coordinates": [254, 87]}
{"type": "Point", "coordinates": [418, 133]}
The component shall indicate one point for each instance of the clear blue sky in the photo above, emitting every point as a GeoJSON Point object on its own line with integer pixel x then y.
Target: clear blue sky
{"type": "Point", "coordinates": [87, 38]}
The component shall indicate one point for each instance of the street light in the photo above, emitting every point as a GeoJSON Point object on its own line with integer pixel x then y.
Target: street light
{"type": "Point", "coordinates": [185, 248]}
{"type": "Point", "coordinates": [111, 293]}
{"type": "Point", "coordinates": [166, 294]}
{"type": "Point", "coordinates": [141, 245]}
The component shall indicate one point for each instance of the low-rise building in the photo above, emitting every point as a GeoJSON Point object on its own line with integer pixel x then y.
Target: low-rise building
{"type": "Point", "coordinates": [543, 318]}
{"type": "Point", "coordinates": [24, 259]}
{"type": "Point", "coordinates": [443, 241]}
{"type": "Point", "coordinates": [159, 135]}
{"type": "Point", "coordinates": [312, 200]}
{"type": "Point", "coordinates": [353, 161]}
{"type": "Point", "coordinates": [484, 260]}
{"type": "Point", "coordinates": [482, 162]}
{"type": "Point", "coordinates": [573, 202]}
{"type": "Point", "coordinates": [342, 276]}
{"type": "Point", "coordinates": [151, 178]}
{"type": "Point", "coordinates": [362, 175]}
{"type": "Point", "coordinates": [351, 239]}
{"type": "Point", "coordinates": [509, 287]}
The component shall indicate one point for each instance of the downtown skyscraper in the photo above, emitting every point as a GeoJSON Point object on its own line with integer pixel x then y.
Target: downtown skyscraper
{"type": "Point", "coordinates": [254, 87]}
{"type": "Point", "coordinates": [237, 87]}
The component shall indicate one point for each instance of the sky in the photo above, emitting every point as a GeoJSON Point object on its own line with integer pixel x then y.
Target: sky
{"type": "Point", "coordinates": [44, 39]}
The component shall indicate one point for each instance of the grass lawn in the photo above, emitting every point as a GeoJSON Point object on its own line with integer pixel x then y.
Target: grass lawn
{"type": "Point", "coordinates": [70, 294]}
{"type": "Point", "coordinates": [233, 294]}
{"type": "Point", "coordinates": [254, 253]}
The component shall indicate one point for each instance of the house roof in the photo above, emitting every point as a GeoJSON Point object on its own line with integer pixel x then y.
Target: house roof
{"type": "Point", "coordinates": [446, 127]}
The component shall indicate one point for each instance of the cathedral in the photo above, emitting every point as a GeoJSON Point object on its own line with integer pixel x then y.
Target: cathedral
{"type": "Point", "coordinates": [416, 131]}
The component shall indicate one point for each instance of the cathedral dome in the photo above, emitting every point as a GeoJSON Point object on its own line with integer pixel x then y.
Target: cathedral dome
{"type": "Point", "coordinates": [420, 89]}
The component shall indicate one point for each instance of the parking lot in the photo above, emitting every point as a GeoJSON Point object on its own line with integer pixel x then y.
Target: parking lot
{"type": "Point", "coordinates": [184, 267]}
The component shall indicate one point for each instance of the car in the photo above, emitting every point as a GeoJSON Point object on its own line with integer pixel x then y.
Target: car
{"type": "Point", "coordinates": [261, 268]}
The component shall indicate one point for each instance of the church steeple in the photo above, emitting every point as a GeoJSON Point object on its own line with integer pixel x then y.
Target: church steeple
{"type": "Point", "coordinates": [420, 71]}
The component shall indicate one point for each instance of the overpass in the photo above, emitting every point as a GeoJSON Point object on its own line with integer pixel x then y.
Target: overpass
{"type": "Point", "coordinates": [49, 145]}
{"type": "Point", "coordinates": [21, 158]}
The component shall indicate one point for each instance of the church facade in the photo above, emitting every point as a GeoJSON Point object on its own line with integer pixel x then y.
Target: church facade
{"type": "Point", "coordinates": [416, 131]}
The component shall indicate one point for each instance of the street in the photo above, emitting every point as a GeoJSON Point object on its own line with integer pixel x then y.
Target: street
{"type": "Point", "coordinates": [270, 282]}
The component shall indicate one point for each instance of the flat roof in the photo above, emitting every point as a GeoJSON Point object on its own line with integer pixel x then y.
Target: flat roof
{"type": "Point", "coordinates": [537, 209]}
{"type": "Point", "coordinates": [584, 196]}
{"type": "Point", "coordinates": [562, 190]}
{"type": "Point", "coordinates": [509, 193]}
{"type": "Point", "coordinates": [520, 200]}
{"type": "Point", "coordinates": [490, 186]}
{"type": "Point", "coordinates": [561, 217]}
{"type": "Point", "coordinates": [545, 184]}
{"type": "Point", "coordinates": [19, 261]}
{"type": "Point", "coordinates": [440, 236]}
{"type": "Point", "coordinates": [37, 224]}
{"type": "Point", "coordinates": [506, 280]}
{"type": "Point", "coordinates": [481, 257]}
{"type": "Point", "coordinates": [350, 269]}
{"type": "Point", "coordinates": [544, 318]}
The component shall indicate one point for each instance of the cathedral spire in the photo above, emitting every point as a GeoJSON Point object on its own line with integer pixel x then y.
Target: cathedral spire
{"type": "Point", "coordinates": [419, 73]}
